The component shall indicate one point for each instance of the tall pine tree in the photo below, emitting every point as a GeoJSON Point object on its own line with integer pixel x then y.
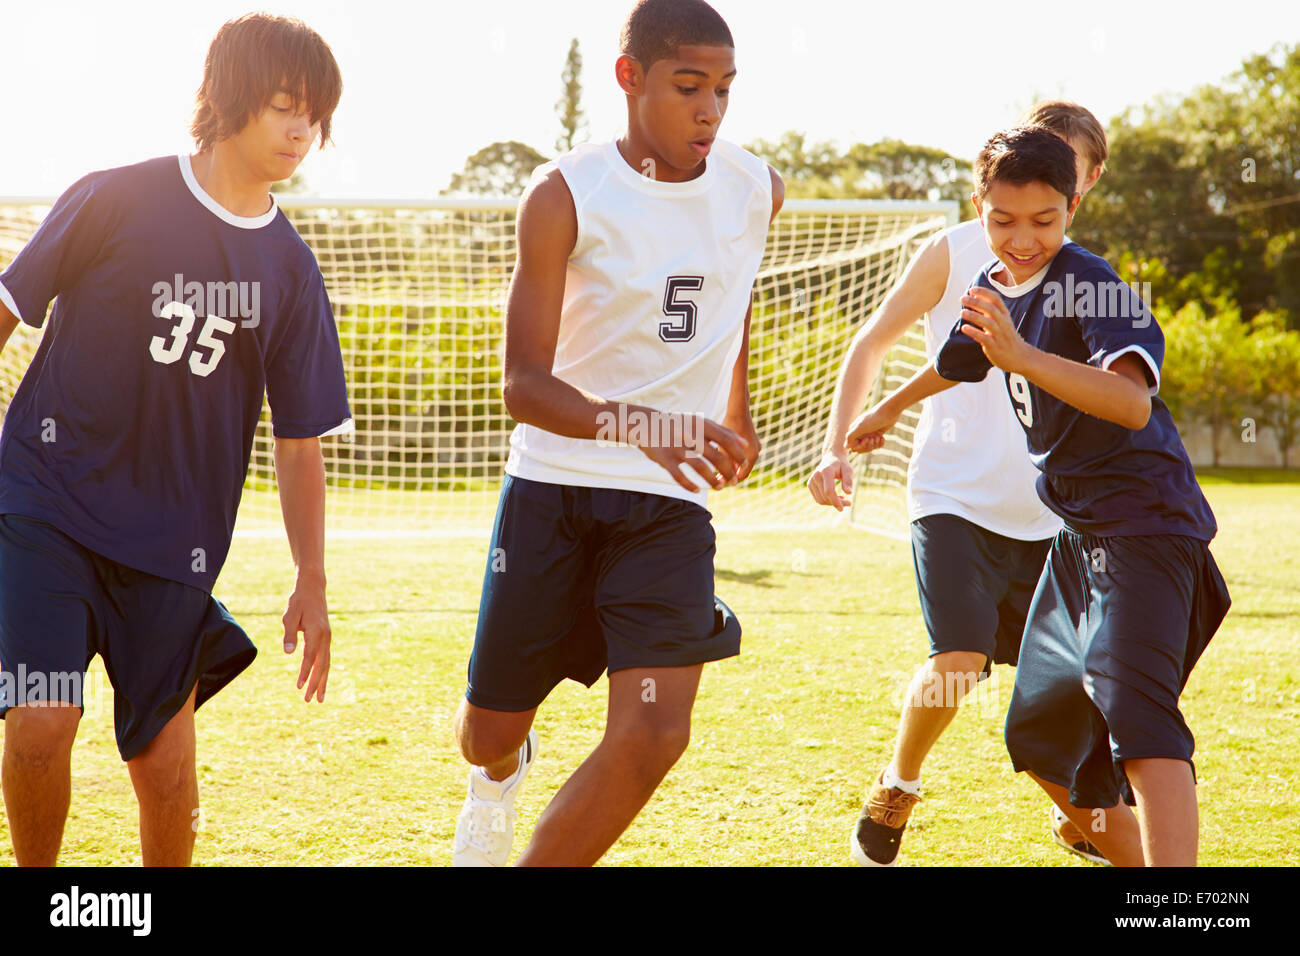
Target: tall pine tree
{"type": "Point", "coordinates": [573, 122]}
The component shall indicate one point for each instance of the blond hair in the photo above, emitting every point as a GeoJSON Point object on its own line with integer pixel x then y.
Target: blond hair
{"type": "Point", "coordinates": [1074, 124]}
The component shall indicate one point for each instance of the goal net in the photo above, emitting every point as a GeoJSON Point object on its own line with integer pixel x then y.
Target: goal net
{"type": "Point", "coordinates": [419, 290]}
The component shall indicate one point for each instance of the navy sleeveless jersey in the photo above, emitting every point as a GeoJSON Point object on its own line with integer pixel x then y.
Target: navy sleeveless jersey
{"type": "Point", "coordinates": [1100, 477]}
{"type": "Point", "coordinates": [132, 428]}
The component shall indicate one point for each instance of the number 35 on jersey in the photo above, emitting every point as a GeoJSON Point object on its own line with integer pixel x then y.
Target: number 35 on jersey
{"type": "Point", "coordinates": [169, 350]}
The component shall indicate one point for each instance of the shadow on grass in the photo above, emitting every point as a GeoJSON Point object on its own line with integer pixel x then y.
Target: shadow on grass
{"type": "Point", "coordinates": [367, 611]}
{"type": "Point", "coordinates": [756, 578]}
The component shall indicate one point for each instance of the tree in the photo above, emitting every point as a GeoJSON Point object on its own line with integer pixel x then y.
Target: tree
{"type": "Point", "coordinates": [501, 169]}
{"type": "Point", "coordinates": [1210, 183]}
{"type": "Point", "coordinates": [1207, 367]}
{"type": "Point", "coordinates": [810, 170]}
{"type": "Point", "coordinates": [573, 120]}
{"type": "Point", "coordinates": [1273, 357]}
{"type": "Point", "coordinates": [905, 171]}
{"type": "Point", "coordinates": [889, 169]}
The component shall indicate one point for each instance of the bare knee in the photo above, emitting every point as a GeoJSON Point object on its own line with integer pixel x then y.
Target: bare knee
{"type": "Point", "coordinates": [487, 737]}
{"type": "Point", "coordinates": [164, 770]}
{"type": "Point", "coordinates": [963, 663]}
{"type": "Point", "coordinates": [36, 737]}
{"type": "Point", "coordinates": [654, 743]}
{"type": "Point", "coordinates": [950, 676]}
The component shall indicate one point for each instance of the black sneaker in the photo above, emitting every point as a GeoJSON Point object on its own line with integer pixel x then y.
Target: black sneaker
{"type": "Point", "coordinates": [879, 830]}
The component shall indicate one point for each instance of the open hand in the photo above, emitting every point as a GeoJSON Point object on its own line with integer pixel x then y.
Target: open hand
{"type": "Point", "coordinates": [834, 468]}
{"type": "Point", "coordinates": [307, 613]}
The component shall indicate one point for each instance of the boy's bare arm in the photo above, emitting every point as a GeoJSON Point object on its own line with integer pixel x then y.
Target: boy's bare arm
{"type": "Point", "coordinates": [300, 474]}
{"type": "Point", "coordinates": [867, 433]}
{"type": "Point", "coordinates": [917, 292]}
{"type": "Point", "coordinates": [738, 417]}
{"type": "Point", "coordinates": [1119, 394]}
{"type": "Point", "coordinates": [8, 322]}
{"type": "Point", "coordinates": [547, 229]}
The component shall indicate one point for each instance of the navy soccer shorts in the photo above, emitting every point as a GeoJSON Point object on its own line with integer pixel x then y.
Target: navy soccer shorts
{"type": "Point", "coordinates": [583, 579]}
{"type": "Point", "coordinates": [975, 586]}
{"type": "Point", "coordinates": [1116, 627]}
{"type": "Point", "coordinates": [61, 604]}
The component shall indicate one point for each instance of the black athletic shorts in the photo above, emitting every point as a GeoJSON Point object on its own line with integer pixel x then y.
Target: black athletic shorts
{"type": "Point", "coordinates": [975, 586]}
{"type": "Point", "coordinates": [1116, 627]}
{"type": "Point", "coordinates": [61, 604]}
{"type": "Point", "coordinates": [583, 579]}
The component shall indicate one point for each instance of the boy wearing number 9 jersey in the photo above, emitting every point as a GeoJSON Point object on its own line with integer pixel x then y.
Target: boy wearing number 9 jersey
{"type": "Point", "coordinates": [1130, 595]}
{"type": "Point", "coordinates": [626, 367]}
{"type": "Point", "coordinates": [181, 296]}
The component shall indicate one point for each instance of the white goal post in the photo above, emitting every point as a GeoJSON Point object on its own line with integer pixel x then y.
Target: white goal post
{"type": "Point", "coordinates": [418, 290]}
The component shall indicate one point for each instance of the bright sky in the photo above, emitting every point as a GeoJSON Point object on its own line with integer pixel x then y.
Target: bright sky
{"type": "Point", "coordinates": [87, 85]}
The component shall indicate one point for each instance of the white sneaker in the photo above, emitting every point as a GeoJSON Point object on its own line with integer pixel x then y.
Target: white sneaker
{"type": "Point", "coordinates": [486, 827]}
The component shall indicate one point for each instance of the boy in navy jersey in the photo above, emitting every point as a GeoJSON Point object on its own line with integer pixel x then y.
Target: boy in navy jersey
{"type": "Point", "coordinates": [626, 367]}
{"type": "Point", "coordinates": [1130, 595]}
{"type": "Point", "coordinates": [181, 295]}
{"type": "Point", "coordinates": [970, 491]}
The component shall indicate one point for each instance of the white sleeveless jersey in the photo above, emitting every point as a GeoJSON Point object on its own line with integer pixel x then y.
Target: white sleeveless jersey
{"type": "Point", "coordinates": [655, 297]}
{"type": "Point", "coordinates": [969, 456]}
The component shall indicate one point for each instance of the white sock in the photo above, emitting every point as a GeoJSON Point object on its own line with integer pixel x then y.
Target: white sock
{"type": "Point", "coordinates": [893, 781]}
{"type": "Point", "coordinates": [514, 774]}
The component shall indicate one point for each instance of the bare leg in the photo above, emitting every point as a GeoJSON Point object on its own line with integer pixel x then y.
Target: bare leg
{"type": "Point", "coordinates": [1113, 830]}
{"type": "Point", "coordinates": [168, 791]}
{"type": "Point", "coordinates": [37, 779]}
{"type": "Point", "coordinates": [931, 703]}
{"type": "Point", "coordinates": [647, 730]}
{"type": "Point", "coordinates": [491, 738]}
{"type": "Point", "coordinates": [1166, 803]}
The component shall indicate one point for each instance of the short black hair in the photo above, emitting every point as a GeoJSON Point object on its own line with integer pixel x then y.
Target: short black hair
{"type": "Point", "coordinates": [656, 28]}
{"type": "Point", "coordinates": [1026, 154]}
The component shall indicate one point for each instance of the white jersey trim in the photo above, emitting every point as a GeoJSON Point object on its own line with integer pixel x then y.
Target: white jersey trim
{"type": "Point", "coordinates": [344, 427]}
{"type": "Point", "coordinates": [1109, 360]}
{"type": "Point", "coordinates": [11, 305]}
{"type": "Point", "coordinates": [656, 187]}
{"type": "Point", "coordinates": [218, 210]}
{"type": "Point", "coordinates": [1024, 288]}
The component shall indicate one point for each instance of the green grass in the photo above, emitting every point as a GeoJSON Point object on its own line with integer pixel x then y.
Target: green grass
{"type": "Point", "coordinates": [1248, 476]}
{"type": "Point", "coordinates": [785, 737]}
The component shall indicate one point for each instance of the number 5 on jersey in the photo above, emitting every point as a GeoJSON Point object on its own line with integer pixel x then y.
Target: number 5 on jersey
{"type": "Point", "coordinates": [169, 352]}
{"type": "Point", "coordinates": [683, 330]}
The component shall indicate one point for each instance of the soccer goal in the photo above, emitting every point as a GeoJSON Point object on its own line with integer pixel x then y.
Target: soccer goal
{"type": "Point", "coordinates": [419, 290]}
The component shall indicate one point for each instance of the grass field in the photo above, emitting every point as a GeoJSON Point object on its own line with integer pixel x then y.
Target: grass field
{"type": "Point", "coordinates": [785, 737]}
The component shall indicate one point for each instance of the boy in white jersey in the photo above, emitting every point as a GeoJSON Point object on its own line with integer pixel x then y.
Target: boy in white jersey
{"type": "Point", "coordinates": [980, 533]}
{"type": "Point", "coordinates": [627, 333]}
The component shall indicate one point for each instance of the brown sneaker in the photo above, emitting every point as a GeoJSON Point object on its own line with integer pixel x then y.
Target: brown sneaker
{"type": "Point", "coordinates": [879, 830]}
{"type": "Point", "coordinates": [1071, 837]}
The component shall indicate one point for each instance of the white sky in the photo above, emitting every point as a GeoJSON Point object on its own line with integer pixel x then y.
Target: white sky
{"type": "Point", "coordinates": [89, 85]}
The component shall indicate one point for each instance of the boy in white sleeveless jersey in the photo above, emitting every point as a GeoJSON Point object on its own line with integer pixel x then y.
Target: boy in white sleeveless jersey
{"type": "Point", "coordinates": [980, 533]}
{"type": "Point", "coordinates": [627, 333]}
